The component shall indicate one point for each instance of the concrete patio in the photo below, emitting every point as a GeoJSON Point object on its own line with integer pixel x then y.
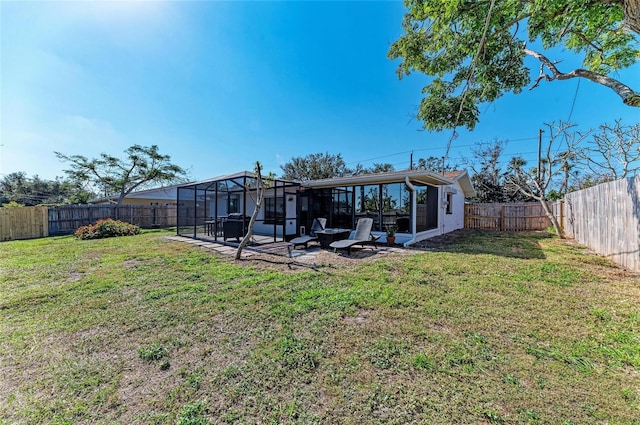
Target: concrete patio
{"type": "Point", "coordinates": [284, 250]}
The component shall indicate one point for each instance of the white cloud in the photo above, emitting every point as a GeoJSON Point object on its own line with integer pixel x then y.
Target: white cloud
{"type": "Point", "coordinates": [127, 23]}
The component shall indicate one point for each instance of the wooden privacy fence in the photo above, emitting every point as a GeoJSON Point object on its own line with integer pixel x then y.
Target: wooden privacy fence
{"type": "Point", "coordinates": [66, 219]}
{"type": "Point", "coordinates": [509, 217]}
{"type": "Point", "coordinates": [23, 223]}
{"type": "Point", "coordinates": [41, 221]}
{"type": "Point", "coordinates": [606, 218]}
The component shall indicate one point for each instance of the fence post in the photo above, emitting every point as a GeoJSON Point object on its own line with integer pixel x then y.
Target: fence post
{"type": "Point", "coordinates": [45, 222]}
{"type": "Point", "coordinates": [502, 218]}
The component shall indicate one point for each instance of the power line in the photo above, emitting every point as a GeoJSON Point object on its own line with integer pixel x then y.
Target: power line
{"type": "Point", "coordinates": [573, 104]}
{"type": "Point", "coordinates": [504, 158]}
{"type": "Point", "coordinates": [454, 135]}
{"type": "Point", "coordinates": [433, 149]}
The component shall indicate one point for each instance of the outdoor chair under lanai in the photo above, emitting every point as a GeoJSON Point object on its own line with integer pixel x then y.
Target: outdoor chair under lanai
{"type": "Point", "coordinates": [362, 236]}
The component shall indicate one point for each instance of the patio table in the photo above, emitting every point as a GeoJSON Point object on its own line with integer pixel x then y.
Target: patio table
{"type": "Point", "coordinates": [214, 226]}
{"type": "Point", "coordinates": [326, 236]}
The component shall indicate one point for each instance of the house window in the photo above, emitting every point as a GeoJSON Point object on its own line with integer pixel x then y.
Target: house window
{"type": "Point", "coordinates": [367, 204]}
{"type": "Point", "coordinates": [449, 209]}
{"type": "Point", "coordinates": [342, 207]}
{"type": "Point", "coordinates": [234, 204]}
{"type": "Point", "coordinates": [396, 207]}
{"type": "Point", "coordinates": [274, 210]}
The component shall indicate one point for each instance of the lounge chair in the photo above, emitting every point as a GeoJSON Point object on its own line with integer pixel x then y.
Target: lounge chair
{"type": "Point", "coordinates": [318, 224]}
{"type": "Point", "coordinates": [361, 236]}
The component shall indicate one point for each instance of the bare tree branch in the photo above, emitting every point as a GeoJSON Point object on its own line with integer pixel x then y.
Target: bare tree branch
{"type": "Point", "coordinates": [629, 97]}
{"type": "Point", "coordinates": [536, 182]}
{"type": "Point", "coordinates": [614, 152]}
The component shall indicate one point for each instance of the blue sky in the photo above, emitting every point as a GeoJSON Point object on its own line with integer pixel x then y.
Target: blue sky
{"type": "Point", "coordinates": [219, 85]}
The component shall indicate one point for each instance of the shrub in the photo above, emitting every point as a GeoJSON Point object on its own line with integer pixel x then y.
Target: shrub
{"type": "Point", "coordinates": [106, 229]}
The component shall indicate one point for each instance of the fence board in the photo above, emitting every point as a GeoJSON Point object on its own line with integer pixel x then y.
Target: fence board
{"type": "Point", "coordinates": [510, 217]}
{"type": "Point", "coordinates": [66, 219]}
{"type": "Point", "coordinates": [23, 223]}
{"type": "Point", "coordinates": [606, 218]}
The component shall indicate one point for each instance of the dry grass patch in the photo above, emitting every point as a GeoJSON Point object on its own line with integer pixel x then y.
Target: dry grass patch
{"type": "Point", "coordinates": [487, 328]}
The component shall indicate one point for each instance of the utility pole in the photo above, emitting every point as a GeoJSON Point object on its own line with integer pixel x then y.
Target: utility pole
{"type": "Point", "coordinates": [539, 152]}
{"type": "Point", "coordinates": [411, 161]}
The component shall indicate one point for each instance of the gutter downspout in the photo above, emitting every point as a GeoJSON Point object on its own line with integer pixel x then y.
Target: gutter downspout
{"type": "Point", "coordinates": [414, 204]}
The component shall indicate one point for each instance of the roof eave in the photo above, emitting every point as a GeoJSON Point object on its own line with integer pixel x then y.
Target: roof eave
{"type": "Point", "coordinates": [395, 177]}
{"type": "Point", "coordinates": [464, 180]}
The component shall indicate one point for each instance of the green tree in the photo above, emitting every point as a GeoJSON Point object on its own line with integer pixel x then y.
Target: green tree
{"type": "Point", "coordinates": [584, 181]}
{"type": "Point", "coordinates": [476, 50]}
{"type": "Point", "coordinates": [13, 188]}
{"type": "Point", "coordinates": [380, 168]}
{"type": "Point", "coordinates": [19, 188]}
{"type": "Point", "coordinates": [489, 177]}
{"type": "Point", "coordinates": [142, 167]}
{"type": "Point", "coordinates": [315, 166]}
{"type": "Point", "coordinates": [437, 165]}
{"type": "Point", "coordinates": [377, 168]}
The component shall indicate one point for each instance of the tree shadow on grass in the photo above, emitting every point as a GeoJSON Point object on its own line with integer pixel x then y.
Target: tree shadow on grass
{"type": "Point", "coordinates": [505, 244]}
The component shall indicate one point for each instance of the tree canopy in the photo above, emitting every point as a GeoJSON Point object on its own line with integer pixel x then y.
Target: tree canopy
{"type": "Point", "coordinates": [476, 49]}
{"type": "Point", "coordinates": [21, 189]}
{"type": "Point", "coordinates": [487, 174]}
{"type": "Point", "coordinates": [325, 166]}
{"type": "Point", "coordinates": [434, 164]}
{"type": "Point", "coordinates": [315, 166]}
{"type": "Point", "coordinates": [142, 167]}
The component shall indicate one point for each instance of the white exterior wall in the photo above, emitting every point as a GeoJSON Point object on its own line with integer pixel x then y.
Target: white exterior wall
{"type": "Point", "coordinates": [290, 211]}
{"type": "Point", "coordinates": [455, 220]}
{"type": "Point", "coordinates": [222, 206]}
{"type": "Point", "coordinates": [260, 227]}
{"type": "Point", "coordinates": [446, 222]}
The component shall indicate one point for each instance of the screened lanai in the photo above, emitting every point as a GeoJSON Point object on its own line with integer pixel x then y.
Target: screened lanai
{"type": "Point", "coordinates": [219, 209]}
{"type": "Point", "coordinates": [418, 204]}
{"type": "Point", "coordinates": [415, 203]}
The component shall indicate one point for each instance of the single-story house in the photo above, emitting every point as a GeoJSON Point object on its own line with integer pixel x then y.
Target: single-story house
{"type": "Point", "coordinates": [160, 196]}
{"type": "Point", "coordinates": [419, 204]}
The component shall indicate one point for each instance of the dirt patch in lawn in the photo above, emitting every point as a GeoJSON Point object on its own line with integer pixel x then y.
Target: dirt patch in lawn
{"type": "Point", "coordinates": [322, 259]}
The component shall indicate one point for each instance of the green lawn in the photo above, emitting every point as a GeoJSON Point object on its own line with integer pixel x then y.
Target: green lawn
{"type": "Point", "coordinates": [494, 329]}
